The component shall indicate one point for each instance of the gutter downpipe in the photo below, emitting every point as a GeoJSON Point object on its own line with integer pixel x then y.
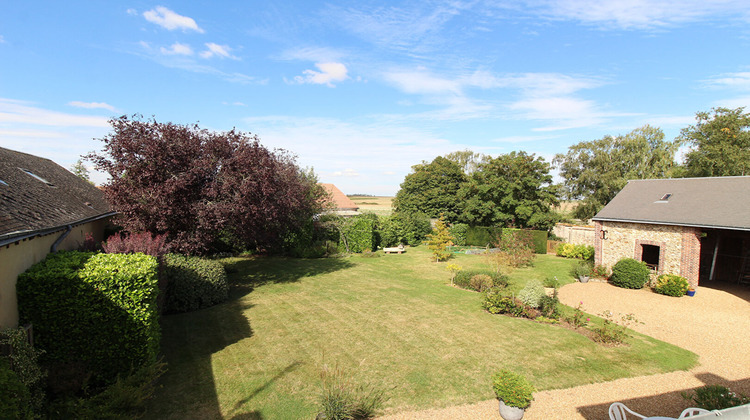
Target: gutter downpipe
{"type": "Point", "coordinates": [54, 246]}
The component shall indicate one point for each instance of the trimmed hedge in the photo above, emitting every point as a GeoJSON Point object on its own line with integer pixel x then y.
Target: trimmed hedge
{"type": "Point", "coordinates": [630, 274]}
{"type": "Point", "coordinates": [193, 283]}
{"type": "Point", "coordinates": [463, 279]}
{"type": "Point", "coordinates": [538, 239]}
{"type": "Point", "coordinates": [96, 312]}
{"type": "Point", "coordinates": [482, 235]}
{"type": "Point", "coordinates": [407, 228]}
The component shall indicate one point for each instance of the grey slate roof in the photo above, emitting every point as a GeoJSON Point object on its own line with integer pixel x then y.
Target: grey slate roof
{"type": "Point", "coordinates": [29, 205]}
{"type": "Point", "coordinates": [718, 202]}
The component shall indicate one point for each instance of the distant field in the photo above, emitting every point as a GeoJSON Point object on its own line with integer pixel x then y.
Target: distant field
{"type": "Point", "coordinates": [377, 205]}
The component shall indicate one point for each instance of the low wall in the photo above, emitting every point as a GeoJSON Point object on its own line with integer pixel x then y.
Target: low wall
{"type": "Point", "coordinates": [573, 234]}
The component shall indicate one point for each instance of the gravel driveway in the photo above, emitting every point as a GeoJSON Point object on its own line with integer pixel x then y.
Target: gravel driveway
{"type": "Point", "coordinates": [715, 324]}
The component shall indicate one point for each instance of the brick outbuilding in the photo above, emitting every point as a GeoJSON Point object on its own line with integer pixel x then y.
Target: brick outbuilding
{"type": "Point", "coordinates": [698, 228]}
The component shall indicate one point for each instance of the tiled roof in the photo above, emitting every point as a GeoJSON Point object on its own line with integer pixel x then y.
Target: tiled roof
{"type": "Point", "coordinates": [716, 202]}
{"type": "Point", "coordinates": [339, 199]}
{"type": "Point", "coordinates": [50, 198]}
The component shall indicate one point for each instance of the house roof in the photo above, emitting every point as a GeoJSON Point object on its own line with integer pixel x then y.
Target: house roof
{"type": "Point", "coordinates": [38, 195]}
{"type": "Point", "coordinates": [340, 201]}
{"type": "Point", "coordinates": [717, 202]}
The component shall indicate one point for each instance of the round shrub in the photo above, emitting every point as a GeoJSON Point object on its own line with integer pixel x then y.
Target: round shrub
{"type": "Point", "coordinates": [481, 282]}
{"type": "Point", "coordinates": [514, 389]}
{"type": "Point", "coordinates": [671, 285]}
{"type": "Point", "coordinates": [630, 274]}
{"type": "Point", "coordinates": [193, 283]}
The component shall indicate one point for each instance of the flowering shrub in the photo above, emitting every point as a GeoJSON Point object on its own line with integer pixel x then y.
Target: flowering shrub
{"type": "Point", "coordinates": [581, 252]}
{"type": "Point", "coordinates": [577, 319]}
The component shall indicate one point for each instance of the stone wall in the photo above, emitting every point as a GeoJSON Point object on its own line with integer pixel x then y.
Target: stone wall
{"type": "Point", "coordinates": [573, 234]}
{"type": "Point", "coordinates": [679, 247]}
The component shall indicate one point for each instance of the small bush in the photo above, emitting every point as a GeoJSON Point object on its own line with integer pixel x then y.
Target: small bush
{"type": "Point", "coordinates": [497, 302]}
{"type": "Point", "coordinates": [600, 271]}
{"type": "Point", "coordinates": [340, 399]}
{"type": "Point", "coordinates": [579, 251]}
{"type": "Point", "coordinates": [193, 283]}
{"type": "Point", "coordinates": [532, 293]}
{"type": "Point", "coordinates": [481, 282]}
{"type": "Point", "coordinates": [130, 243]}
{"type": "Point", "coordinates": [23, 361]}
{"type": "Point", "coordinates": [630, 274]}
{"type": "Point", "coordinates": [124, 399]}
{"type": "Point", "coordinates": [15, 397]}
{"type": "Point", "coordinates": [513, 389]}
{"type": "Point", "coordinates": [671, 285]}
{"type": "Point", "coordinates": [552, 282]}
{"type": "Point", "coordinates": [516, 247]}
{"type": "Point", "coordinates": [579, 318]}
{"type": "Point", "coordinates": [463, 278]}
{"type": "Point", "coordinates": [549, 306]}
{"type": "Point", "coordinates": [581, 269]}
{"type": "Point", "coordinates": [715, 397]}
{"type": "Point", "coordinates": [612, 331]}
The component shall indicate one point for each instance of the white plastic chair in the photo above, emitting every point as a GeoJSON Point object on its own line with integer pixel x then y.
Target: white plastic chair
{"type": "Point", "coordinates": [619, 411]}
{"type": "Point", "coordinates": [692, 411]}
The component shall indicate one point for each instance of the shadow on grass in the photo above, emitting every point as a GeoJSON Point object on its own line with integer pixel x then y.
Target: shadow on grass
{"type": "Point", "coordinates": [189, 340]}
{"type": "Point", "coordinates": [668, 404]}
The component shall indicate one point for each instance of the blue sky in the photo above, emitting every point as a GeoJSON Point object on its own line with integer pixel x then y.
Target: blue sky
{"type": "Point", "coordinates": [363, 90]}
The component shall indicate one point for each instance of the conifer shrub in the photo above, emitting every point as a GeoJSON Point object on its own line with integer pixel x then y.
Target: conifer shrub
{"type": "Point", "coordinates": [193, 283]}
{"type": "Point", "coordinates": [532, 293]}
{"type": "Point", "coordinates": [94, 315]}
{"type": "Point", "coordinates": [459, 231]}
{"type": "Point", "coordinates": [630, 274]}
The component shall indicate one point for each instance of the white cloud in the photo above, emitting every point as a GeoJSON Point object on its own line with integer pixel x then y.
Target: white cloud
{"type": "Point", "coordinates": [740, 80]}
{"type": "Point", "coordinates": [189, 63]}
{"type": "Point", "coordinates": [170, 20]}
{"type": "Point", "coordinates": [92, 105]}
{"type": "Point", "coordinates": [20, 112]}
{"type": "Point", "coordinates": [640, 14]}
{"type": "Point", "coordinates": [177, 49]}
{"type": "Point", "coordinates": [380, 151]}
{"type": "Point", "coordinates": [132, 12]}
{"type": "Point", "coordinates": [314, 54]}
{"type": "Point", "coordinates": [348, 172]}
{"type": "Point", "coordinates": [329, 73]}
{"type": "Point", "coordinates": [216, 50]}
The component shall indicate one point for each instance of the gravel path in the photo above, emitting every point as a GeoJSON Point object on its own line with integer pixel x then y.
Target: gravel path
{"type": "Point", "coordinates": [715, 324]}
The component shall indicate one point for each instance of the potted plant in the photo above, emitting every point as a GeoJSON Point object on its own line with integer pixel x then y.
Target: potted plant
{"type": "Point", "coordinates": [514, 393]}
{"type": "Point", "coordinates": [691, 291]}
{"type": "Point", "coordinates": [582, 271]}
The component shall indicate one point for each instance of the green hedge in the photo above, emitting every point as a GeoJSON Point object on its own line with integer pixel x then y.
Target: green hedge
{"type": "Point", "coordinates": [538, 238]}
{"type": "Point", "coordinates": [360, 234]}
{"type": "Point", "coordinates": [97, 312]}
{"type": "Point", "coordinates": [193, 283]}
{"type": "Point", "coordinates": [482, 235]}
{"type": "Point", "coordinates": [407, 228]}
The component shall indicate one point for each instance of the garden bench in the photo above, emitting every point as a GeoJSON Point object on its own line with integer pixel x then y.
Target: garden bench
{"type": "Point", "coordinates": [398, 250]}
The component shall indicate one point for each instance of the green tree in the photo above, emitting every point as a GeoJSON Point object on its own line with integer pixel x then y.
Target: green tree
{"type": "Point", "coordinates": [720, 143]}
{"type": "Point", "coordinates": [439, 239]}
{"type": "Point", "coordinates": [431, 189]}
{"type": "Point", "coordinates": [514, 189]}
{"type": "Point", "coordinates": [80, 170]}
{"type": "Point", "coordinates": [595, 171]}
{"type": "Point", "coordinates": [467, 160]}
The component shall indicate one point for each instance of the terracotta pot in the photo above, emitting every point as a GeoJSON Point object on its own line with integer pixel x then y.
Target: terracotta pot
{"type": "Point", "coordinates": [510, 413]}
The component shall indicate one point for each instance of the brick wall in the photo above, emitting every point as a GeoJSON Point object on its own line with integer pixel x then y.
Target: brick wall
{"type": "Point", "coordinates": [679, 247]}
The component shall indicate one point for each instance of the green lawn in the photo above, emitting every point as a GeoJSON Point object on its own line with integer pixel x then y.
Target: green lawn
{"type": "Point", "coordinates": [391, 321]}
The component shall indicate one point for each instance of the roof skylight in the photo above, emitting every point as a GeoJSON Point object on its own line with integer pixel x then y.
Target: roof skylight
{"type": "Point", "coordinates": [49, 184]}
{"type": "Point", "coordinates": [664, 198]}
